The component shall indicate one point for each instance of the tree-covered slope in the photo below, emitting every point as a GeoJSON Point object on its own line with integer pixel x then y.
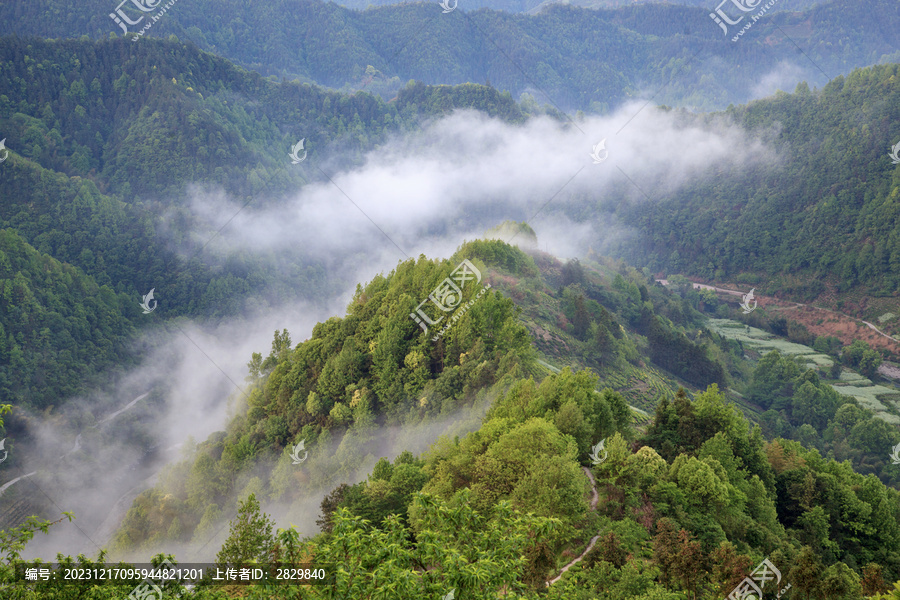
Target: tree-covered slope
{"type": "Point", "coordinates": [57, 325]}
{"type": "Point", "coordinates": [105, 141]}
{"type": "Point", "coordinates": [827, 211]}
{"type": "Point", "coordinates": [144, 120]}
{"type": "Point", "coordinates": [689, 506]}
{"type": "Point", "coordinates": [582, 58]}
{"type": "Point", "coordinates": [373, 367]}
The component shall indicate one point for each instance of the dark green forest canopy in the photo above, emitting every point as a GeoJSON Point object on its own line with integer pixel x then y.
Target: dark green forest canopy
{"type": "Point", "coordinates": [142, 121]}
{"type": "Point", "coordinates": [827, 210]}
{"type": "Point", "coordinates": [58, 328]}
{"type": "Point", "coordinates": [106, 134]}
{"type": "Point", "coordinates": [375, 366]}
{"type": "Point", "coordinates": [582, 58]}
{"type": "Point", "coordinates": [105, 137]}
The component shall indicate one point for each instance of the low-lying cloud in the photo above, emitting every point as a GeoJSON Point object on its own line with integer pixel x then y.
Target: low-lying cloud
{"type": "Point", "coordinates": [421, 194]}
{"type": "Point", "coordinates": [462, 174]}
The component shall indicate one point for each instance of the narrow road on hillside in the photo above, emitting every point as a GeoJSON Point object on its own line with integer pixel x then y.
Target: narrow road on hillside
{"type": "Point", "coordinates": [77, 445]}
{"type": "Point", "coordinates": [796, 305]}
{"type": "Point", "coordinates": [834, 312]}
{"type": "Point", "coordinates": [10, 483]}
{"type": "Point", "coordinates": [595, 498]}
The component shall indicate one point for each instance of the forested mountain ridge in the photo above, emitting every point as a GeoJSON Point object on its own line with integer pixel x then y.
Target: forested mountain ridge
{"type": "Point", "coordinates": [104, 140]}
{"type": "Point", "coordinates": [144, 121]}
{"type": "Point", "coordinates": [822, 220]}
{"type": "Point", "coordinates": [584, 59]}
{"type": "Point", "coordinates": [829, 530]}
{"type": "Point", "coordinates": [375, 367]}
{"type": "Point", "coordinates": [570, 430]}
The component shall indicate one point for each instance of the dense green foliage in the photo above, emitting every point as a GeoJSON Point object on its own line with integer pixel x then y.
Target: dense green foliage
{"type": "Point", "coordinates": [106, 135]}
{"type": "Point", "coordinates": [56, 326]}
{"type": "Point", "coordinates": [581, 58]}
{"type": "Point", "coordinates": [859, 356]}
{"type": "Point", "coordinates": [801, 407]}
{"type": "Point", "coordinates": [373, 367]}
{"type": "Point", "coordinates": [826, 212]}
{"type": "Point", "coordinates": [686, 508]}
{"type": "Point", "coordinates": [673, 351]}
{"type": "Point", "coordinates": [686, 511]}
{"type": "Point", "coordinates": [104, 140]}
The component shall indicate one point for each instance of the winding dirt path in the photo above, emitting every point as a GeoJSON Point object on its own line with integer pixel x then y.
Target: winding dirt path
{"type": "Point", "coordinates": [77, 445]}
{"type": "Point", "coordinates": [10, 483]}
{"type": "Point", "coordinates": [595, 498]}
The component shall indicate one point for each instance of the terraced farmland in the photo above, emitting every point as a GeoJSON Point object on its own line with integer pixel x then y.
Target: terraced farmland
{"type": "Point", "coordinates": [883, 401]}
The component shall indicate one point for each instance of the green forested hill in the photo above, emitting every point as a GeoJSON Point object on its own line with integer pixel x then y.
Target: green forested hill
{"type": "Point", "coordinates": [827, 212]}
{"type": "Point", "coordinates": [105, 138]}
{"type": "Point", "coordinates": [537, 468]}
{"type": "Point", "coordinates": [142, 121]}
{"type": "Point", "coordinates": [581, 58]}
{"type": "Point", "coordinates": [685, 509]}
{"type": "Point", "coordinates": [58, 327]}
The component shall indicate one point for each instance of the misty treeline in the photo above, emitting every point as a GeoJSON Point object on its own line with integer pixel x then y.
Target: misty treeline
{"type": "Point", "coordinates": [685, 509]}
{"type": "Point", "coordinates": [105, 135]}
{"type": "Point", "coordinates": [104, 138]}
{"type": "Point", "coordinates": [102, 143]}
{"type": "Point", "coordinates": [581, 58]}
{"type": "Point", "coordinates": [823, 220]}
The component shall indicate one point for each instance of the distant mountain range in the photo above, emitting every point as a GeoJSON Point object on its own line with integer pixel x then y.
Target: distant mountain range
{"type": "Point", "coordinates": [534, 6]}
{"type": "Point", "coordinates": [574, 58]}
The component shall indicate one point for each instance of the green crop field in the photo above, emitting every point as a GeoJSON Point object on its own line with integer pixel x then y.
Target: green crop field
{"type": "Point", "coordinates": [883, 401]}
{"type": "Point", "coordinates": [763, 342]}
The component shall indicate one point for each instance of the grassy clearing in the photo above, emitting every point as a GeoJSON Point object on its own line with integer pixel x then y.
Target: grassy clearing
{"type": "Point", "coordinates": [883, 401]}
{"type": "Point", "coordinates": [764, 342]}
{"type": "Point", "coordinates": [856, 378]}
